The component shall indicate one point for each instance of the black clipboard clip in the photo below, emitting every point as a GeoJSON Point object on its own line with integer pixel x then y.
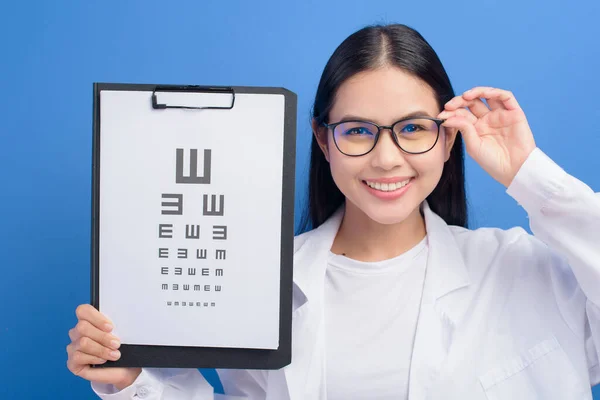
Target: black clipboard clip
{"type": "Point", "coordinates": [194, 89]}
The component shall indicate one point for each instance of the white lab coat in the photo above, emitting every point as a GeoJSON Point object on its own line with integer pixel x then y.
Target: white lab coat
{"type": "Point", "coordinates": [505, 315]}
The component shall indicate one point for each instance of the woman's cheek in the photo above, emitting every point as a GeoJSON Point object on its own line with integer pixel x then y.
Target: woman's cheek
{"type": "Point", "coordinates": [345, 175]}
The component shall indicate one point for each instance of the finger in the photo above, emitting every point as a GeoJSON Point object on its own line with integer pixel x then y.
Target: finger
{"type": "Point", "coordinates": [467, 130]}
{"type": "Point", "coordinates": [475, 92]}
{"type": "Point", "coordinates": [95, 317]}
{"type": "Point", "coordinates": [86, 329]}
{"type": "Point", "coordinates": [91, 347]}
{"type": "Point", "coordinates": [461, 112]}
{"type": "Point", "coordinates": [466, 97]}
{"type": "Point", "coordinates": [468, 115]}
{"type": "Point", "coordinates": [477, 106]}
{"type": "Point", "coordinates": [81, 358]}
{"type": "Point", "coordinates": [454, 103]}
{"type": "Point", "coordinates": [75, 368]}
{"type": "Point", "coordinates": [100, 375]}
{"type": "Point", "coordinates": [499, 98]}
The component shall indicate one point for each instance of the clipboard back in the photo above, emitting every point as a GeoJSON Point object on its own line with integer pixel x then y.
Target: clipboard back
{"type": "Point", "coordinates": [154, 160]}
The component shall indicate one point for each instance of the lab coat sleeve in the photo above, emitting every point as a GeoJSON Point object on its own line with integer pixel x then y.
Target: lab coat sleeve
{"type": "Point", "coordinates": [179, 384]}
{"type": "Point", "coordinates": [564, 213]}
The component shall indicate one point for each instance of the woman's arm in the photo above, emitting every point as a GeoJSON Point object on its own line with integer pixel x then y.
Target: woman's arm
{"type": "Point", "coordinates": [564, 213]}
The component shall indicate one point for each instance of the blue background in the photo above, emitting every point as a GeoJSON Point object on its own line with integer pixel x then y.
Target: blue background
{"type": "Point", "coordinates": [52, 51]}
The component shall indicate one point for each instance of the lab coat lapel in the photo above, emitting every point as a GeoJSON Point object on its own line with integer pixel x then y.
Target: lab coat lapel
{"type": "Point", "coordinates": [442, 306]}
{"type": "Point", "coordinates": [305, 375]}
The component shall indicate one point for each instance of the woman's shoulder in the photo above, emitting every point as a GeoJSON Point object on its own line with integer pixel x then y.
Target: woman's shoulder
{"type": "Point", "coordinates": [513, 250]}
{"type": "Point", "coordinates": [489, 238]}
{"type": "Point", "coordinates": [489, 242]}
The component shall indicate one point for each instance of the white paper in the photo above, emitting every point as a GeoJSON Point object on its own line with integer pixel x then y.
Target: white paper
{"type": "Point", "coordinates": [137, 166]}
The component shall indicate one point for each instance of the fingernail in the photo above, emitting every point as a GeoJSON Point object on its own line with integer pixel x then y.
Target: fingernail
{"type": "Point", "coordinates": [115, 344]}
{"type": "Point", "coordinates": [108, 327]}
{"type": "Point", "coordinates": [115, 354]}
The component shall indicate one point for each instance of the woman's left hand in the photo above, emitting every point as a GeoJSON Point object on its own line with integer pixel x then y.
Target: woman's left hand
{"type": "Point", "coordinates": [498, 137]}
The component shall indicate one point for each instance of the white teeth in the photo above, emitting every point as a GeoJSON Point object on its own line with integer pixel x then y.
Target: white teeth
{"type": "Point", "coordinates": [387, 187]}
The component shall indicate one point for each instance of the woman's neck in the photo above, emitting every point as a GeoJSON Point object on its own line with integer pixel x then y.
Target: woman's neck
{"type": "Point", "coordinates": [363, 239]}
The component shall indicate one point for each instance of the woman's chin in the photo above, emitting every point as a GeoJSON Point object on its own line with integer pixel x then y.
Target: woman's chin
{"type": "Point", "coordinates": [388, 215]}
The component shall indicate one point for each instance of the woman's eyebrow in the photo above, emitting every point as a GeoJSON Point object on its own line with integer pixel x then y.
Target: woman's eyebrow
{"type": "Point", "coordinates": [352, 117]}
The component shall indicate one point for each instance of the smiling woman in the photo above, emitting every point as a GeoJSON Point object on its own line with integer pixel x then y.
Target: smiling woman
{"type": "Point", "coordinates": [394, 298]}
{"type": "Point", "coordinates": [385, 95]}
{"type": "Point", "coordinates": [383, 75]}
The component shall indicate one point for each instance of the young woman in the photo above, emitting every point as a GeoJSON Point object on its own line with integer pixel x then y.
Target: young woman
{"type": "Point", "coordinates": [394, 298]}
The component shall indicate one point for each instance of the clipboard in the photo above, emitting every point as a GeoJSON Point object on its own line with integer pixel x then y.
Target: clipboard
{"type": "Point", "coordinates": [193, 223]}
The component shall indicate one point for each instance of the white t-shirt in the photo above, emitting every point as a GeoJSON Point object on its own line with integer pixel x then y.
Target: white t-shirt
{"type": "Point", "coordinates": [371, 312]}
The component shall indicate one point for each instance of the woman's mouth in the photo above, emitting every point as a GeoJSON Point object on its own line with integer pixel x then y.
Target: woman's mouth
{"type": "Point", "coordinates": [393, 189]}
{"type": "Point", "coordinates": [387, 187]}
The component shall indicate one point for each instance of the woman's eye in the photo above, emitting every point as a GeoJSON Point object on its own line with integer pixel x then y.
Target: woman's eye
{"type": "Point", "coordinates": [411, 128]}
{"type": "Point", "coordinates": [358, 131]}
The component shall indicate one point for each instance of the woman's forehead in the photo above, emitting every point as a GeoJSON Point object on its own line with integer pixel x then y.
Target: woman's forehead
{"type": "Point", "coordinates": [386, 94]}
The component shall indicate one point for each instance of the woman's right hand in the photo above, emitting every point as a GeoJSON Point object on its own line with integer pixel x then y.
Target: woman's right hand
{"type": "Point", "coordinates": [92, 343]}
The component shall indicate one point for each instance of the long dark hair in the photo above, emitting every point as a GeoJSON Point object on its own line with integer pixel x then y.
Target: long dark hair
{"type": "Point", "coordinates": [370, 48]}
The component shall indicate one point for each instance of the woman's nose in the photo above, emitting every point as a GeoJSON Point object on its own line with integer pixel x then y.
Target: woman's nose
{"type": "Point", "coordinates": [386, 154]}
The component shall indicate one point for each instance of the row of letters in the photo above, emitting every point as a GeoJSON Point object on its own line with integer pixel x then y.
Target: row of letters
{"type": "Point", "coordinates": [175, 207]}
{"type": "Point", "coordinates": [201, 254]}
{"type": "Point", "coordinates": [165, 231]}
{"type": "Point", "coordinates": [196, 288]}
{"type": "Point", "coordinates": [190, 271]}
{"type": "Point", "coordinates": [191, 304]}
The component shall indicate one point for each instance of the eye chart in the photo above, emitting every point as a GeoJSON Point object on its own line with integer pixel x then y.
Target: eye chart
{"type": "Point", "coordinates": [193, 223]}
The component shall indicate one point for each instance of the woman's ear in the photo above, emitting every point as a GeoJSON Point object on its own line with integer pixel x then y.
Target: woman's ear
{"type": "Point", "coordinates": [450, 138]}
{"type": "Point", "coordinates": [321, 136]}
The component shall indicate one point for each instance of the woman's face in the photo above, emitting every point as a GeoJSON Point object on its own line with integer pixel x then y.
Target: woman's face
{"type": "Point", "coordinates": [384, 96]}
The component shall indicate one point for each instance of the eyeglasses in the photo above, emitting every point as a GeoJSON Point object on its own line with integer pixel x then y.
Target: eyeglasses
{"type": "Point", "coordinates": [412, 135]}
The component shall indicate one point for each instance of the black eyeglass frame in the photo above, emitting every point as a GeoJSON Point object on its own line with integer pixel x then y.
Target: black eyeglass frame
{"type": "Point", "coordinates": [438, 122]}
